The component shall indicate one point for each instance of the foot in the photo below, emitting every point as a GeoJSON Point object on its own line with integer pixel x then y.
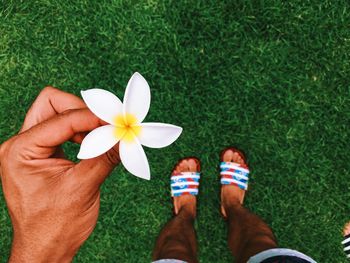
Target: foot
{"type": "Point", "coordinates": [345, 242]}
{"type": "Point", "coordinates": [346, 229]}
{"type": "Point", "coordinates": [231, 194]}
{"type": "Point", "coordinates": [187, 202]}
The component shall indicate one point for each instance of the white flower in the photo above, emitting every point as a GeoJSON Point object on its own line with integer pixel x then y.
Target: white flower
{"type": "Point", "coordinates": [125, 126]}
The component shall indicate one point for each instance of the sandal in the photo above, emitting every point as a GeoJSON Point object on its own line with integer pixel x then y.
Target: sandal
{"type": "Point", "coordinates": [346, 244]}
{"type": "Point", "coordinates": [184, 183]}
{"type": "Point", "coordinates": [234, 173]}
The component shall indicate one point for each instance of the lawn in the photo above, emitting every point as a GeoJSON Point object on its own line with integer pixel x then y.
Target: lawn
{"type": "Point", "coordinates": [270, 77]}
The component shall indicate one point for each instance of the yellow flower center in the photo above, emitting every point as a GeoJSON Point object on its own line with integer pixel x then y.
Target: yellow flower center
{"type": "Point", "coordinates": [126, 127]}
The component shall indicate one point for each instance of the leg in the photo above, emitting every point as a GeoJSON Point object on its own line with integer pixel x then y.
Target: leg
{"type": "Point", "coordinates": [247, 233]}
{"type": "Point", "coordinates": [177, 240]}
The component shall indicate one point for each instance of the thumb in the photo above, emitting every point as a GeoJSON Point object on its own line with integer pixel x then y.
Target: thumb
{"type": "Point", "coordinates": [94, 171]}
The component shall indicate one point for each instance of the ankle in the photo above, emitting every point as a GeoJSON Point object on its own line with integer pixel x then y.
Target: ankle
{"type": "Point", "coordinates": [231, 205]}
{"type": "Point", "coordinates": [230, 196]}
{"type": "Point", "coordinates": [187, 211]}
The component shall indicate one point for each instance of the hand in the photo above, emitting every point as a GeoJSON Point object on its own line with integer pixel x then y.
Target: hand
{"type": "Point", "coordinates": [53, 203]}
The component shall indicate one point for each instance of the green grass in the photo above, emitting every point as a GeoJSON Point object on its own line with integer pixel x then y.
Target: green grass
{"type": "Point", "coordinates": [271, 77]}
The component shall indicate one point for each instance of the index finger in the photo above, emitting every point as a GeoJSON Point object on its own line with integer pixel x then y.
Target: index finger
{"type": "Point", "coordinates": [41, 140]}
{"type": "Point", "coordinates": [50, 102]}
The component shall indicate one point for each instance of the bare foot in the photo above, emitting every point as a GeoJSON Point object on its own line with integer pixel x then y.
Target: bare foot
{"type": "Point", "coordinates": [186, 201]}
{"type": "Point", "coordinates": [231, 194]}
{"type": "Point", "coordinates": [346, 229]}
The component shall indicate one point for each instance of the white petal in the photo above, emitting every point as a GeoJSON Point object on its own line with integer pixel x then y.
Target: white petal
{"type": "Point", "coordinates": [98, 142]}
{"type": "Point", "coordinates": [103, 104]}
{"type": "Point", "coordinates": [134, 159]}
{"type": "Point", "coordinates": [137, 97]}
{"type": "Point", "coordinates": [158, 135]}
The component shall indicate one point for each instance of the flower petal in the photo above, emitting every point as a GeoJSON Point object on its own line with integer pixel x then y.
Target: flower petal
{"type": "Point", "coordinates": [134, 158]}
{"type": "Point", "coordinates": [103, 104]}
{"type": "Point", "coordinates": [137, 97]}
{"type": "Point", "coordinates": [158, 135]}
{"type": "Point", "coordinates": [98, 142]}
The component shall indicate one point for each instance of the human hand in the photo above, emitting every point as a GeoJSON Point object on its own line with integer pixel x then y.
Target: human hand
{"type": "Point", "coordinates": [53, 203]}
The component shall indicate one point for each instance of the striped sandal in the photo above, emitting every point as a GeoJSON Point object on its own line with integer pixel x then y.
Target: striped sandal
{"type": "Point", "coordinates": [185, 183]}
{"type": "Point", "coordinates": [346, 244]}
{"type": "Point", "coordinates": [232, 173]}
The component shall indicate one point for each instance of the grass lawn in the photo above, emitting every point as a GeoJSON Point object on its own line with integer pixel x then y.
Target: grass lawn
{"type": "Point", "coordinates": [271, 77]}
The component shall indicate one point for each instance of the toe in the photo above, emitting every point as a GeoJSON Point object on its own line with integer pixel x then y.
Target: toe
{"type": "Point", "coordinates": [228, 156]}
{"type": "Point", "coordinates": [183, 165]}
{"type": "Point", "coordinates": [192, 165]}
{"type": "Point", "coordinates": [186, 165]}
{"type": "Point", "coordinates": [179, 167]}
{"type": "Point", "coordinates": [237, 158]}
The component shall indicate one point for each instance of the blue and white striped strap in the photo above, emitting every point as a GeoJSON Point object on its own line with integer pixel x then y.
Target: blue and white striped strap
{"type": "Point", "coordinates": [234, 174]}
{"type": "Point", "coordinates": [184, 183]}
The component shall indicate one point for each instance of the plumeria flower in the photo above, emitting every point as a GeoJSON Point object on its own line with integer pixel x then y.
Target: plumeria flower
{"type": "Point", "coordinates": [125, 126]}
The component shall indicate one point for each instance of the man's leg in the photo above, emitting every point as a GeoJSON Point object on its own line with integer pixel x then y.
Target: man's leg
{"type": "Point", "coordinates": [177, 240]}
{"type": "Point", "coordinates": [247, 233]}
